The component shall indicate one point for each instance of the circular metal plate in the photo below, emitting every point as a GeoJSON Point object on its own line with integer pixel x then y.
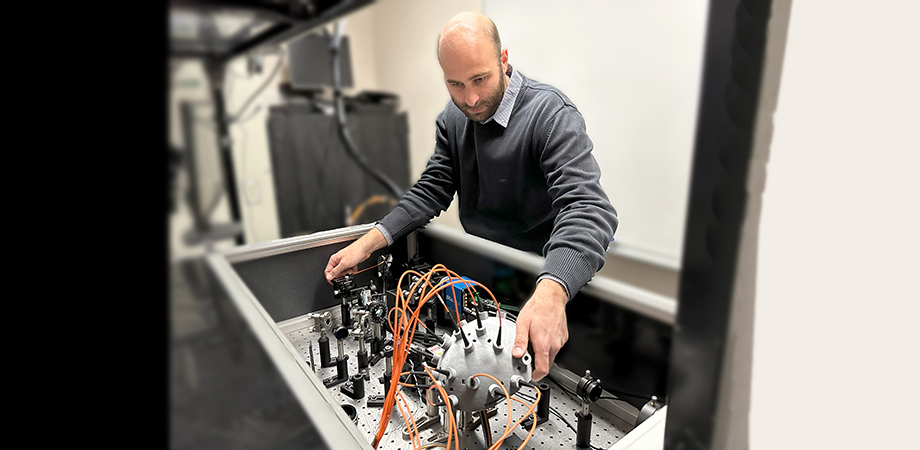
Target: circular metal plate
{"type": "Point", "coordinates": [482, 356]}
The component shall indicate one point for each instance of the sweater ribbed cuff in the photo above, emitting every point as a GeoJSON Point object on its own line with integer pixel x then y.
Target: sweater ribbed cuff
{"type": "Point", "coordinates": [396, 224]}
{"type": "Point", "coordinates": [384, 232]}
{"type": "Point", "coordinates": [569, 266]}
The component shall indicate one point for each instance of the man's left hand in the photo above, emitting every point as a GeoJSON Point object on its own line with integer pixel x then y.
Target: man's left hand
{"type": "Point", "coordinates": [542, 323]}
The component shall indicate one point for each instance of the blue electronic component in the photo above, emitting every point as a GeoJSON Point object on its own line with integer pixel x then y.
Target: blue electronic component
{"type": "Point", "coordinates": [457, 289]}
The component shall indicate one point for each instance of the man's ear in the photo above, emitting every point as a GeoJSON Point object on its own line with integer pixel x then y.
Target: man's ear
{"type": "Point", "coordinates": [504, 60]}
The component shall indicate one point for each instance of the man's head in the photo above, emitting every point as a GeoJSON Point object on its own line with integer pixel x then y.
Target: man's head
{"type": "Point", "coordinates": [474, 64]}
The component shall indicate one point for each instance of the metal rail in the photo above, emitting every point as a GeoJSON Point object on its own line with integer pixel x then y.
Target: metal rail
{"type": "Point", "coordinates": [625, 295]}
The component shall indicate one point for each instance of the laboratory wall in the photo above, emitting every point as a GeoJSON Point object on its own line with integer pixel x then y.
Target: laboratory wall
{"type": "Point", "coordinates": [633, 69]}
{"type": "Point", "coordinates": [393, 49]}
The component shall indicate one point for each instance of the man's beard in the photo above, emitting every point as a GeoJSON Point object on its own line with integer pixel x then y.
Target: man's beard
{"type": "Point", "coordinates": [491, 103]}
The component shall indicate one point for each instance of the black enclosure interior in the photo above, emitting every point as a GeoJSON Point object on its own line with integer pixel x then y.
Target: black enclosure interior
{"type": "Point", "coordinates": [292, 284]}
{"type": "Point", "coordinates": [316, 181]}
{"type": "Point", "coordinates": [224, 389]}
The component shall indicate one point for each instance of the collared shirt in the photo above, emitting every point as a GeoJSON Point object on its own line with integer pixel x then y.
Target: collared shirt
{"type": "Point", "coordinates": [503, 113]}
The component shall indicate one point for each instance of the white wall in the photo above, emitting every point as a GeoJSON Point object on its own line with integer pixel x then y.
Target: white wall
{"type": "Point", "coordinates": [835, 339]}
{"type": "Point", "coordinates": [632, 67]}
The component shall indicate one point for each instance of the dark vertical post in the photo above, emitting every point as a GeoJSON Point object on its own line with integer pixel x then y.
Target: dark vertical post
{"type": "Point", "coordinates": [216, 69]}
{"type": "Point", "coordinates": [729, 95]}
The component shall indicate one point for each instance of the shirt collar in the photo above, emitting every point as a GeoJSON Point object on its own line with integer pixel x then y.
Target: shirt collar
{"type": "Point", "coordinates": [503, 113]}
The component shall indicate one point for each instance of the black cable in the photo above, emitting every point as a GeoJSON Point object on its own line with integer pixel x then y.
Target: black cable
{"type": "Point", "coordinates": [525, 397]}
{"type": "Point", "coordinates": [551, 410]}
{"type": "Point", "coordinates": [624, 394]}
{"type": "Point", "coordinates": [564, 389]}
{"type": "Point", "coordinates": [433, 369]}
{"type": "Point", "coordinates": [412, 379]}
{"type": "Point", "coordinates": [627, 394]}
{"type": "Point", "coordinates": [340, 119]}
{"type": "Point", "coordinates": [556, 413]}
{"type": "Point", "coordinates": [250, 116]}
{"type": "Point", "coordinates": [486, 429]}
{"type": "Point", "coordinates": [235, 117]}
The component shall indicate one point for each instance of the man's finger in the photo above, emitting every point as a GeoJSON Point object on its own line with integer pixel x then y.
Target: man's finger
{"type": "Point", "coordinates": [331, 273]}
{"type": "Point", "coordinates": [521, 338]}
{"type": "Point", "coordinates": [330, 269]}
{"type": "Point", "coordinates": [540, 365]}
{"type": "Point", "coordinates": [338, 271]}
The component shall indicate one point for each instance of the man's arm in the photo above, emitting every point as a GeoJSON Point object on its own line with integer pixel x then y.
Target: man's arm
{"type": "Point", "coordinates": [577, 248]}
{"type": "Point", "coordinates": [431, 194]}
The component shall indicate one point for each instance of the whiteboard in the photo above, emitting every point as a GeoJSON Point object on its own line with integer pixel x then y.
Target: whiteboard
{"type": "Point", "coordinates": [633, 68]}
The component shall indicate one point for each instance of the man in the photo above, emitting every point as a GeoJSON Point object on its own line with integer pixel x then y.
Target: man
{"type": "Point", "coordinates": [517, 154]}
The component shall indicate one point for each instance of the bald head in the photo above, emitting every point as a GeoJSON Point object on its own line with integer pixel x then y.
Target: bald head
{"type": "Point", "coordinates": [474, 64]}
{"type": "Point", "coordinates": [468, 30]}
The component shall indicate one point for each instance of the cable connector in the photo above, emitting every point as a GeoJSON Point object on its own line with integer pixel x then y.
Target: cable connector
{"type": "Point", "coordinates": [497, 343]}
{"type": "Point", "coordinates": [444, 372]}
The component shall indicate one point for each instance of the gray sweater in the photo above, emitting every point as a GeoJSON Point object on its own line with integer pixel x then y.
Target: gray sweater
{"type": "Point", "coordinates": [533, 185]}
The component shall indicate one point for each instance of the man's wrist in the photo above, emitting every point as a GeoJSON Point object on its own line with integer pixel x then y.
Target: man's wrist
{"type": "Point", "coordinates": [558, 280]}
{"type": "Point", "coordinates": [383, 231]}
{"type": "Point", "coordinates": [372, 241]}
{"type": "Point", "coordinates": [554, 290]}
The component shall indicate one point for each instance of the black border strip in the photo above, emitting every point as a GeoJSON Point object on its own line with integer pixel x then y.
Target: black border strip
{"type": "Point", "coordinates": [731, 79]}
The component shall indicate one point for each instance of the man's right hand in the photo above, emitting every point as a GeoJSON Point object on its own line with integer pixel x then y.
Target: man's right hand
{"type": "Point", "coordinates": [345, 261]}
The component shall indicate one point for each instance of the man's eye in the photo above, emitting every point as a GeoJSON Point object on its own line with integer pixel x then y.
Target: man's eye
{"type": "Point", "coordinates": [479, 80]}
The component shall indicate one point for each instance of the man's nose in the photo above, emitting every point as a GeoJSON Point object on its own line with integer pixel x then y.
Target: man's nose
{"type": "Point", "coordinates": [471, 99]}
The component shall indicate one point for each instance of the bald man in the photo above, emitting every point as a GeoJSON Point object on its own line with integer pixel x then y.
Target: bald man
{"type": "Point", "coordinates": [516, 153]}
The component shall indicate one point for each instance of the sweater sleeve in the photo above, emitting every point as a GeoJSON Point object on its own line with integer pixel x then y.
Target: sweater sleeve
{"type": "Point", "coordinates": [431, 194]}
{"type": "Point", "coordinates": [586, 223]}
